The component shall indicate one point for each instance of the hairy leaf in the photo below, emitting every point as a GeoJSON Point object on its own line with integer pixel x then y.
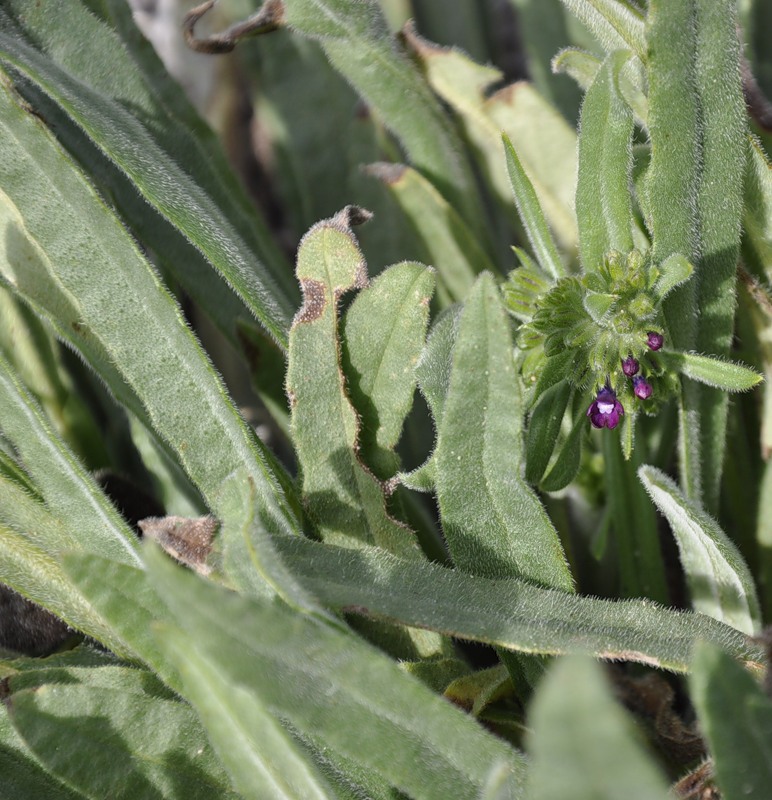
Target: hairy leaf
{"type": "Point", "coordinates": [493, 523]}
{"type": "Point", "coordinates": [736, 718]}
{"type": "Point", "coordinates": [509, 613]}
{"type": "Point", "coordinates": [394, 724]}
{"type": "Point", "coordinates": [719, 580]}
{"type": "Point", "coordinates": [582, 744]}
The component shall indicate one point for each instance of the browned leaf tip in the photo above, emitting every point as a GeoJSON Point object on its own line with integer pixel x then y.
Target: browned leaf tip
{"type": "Point", "coordinates": [187, 540]}
{"type": "Point", "coordinates": [385, 172]}
{"type": "Point", "coordinates": [267, 19]}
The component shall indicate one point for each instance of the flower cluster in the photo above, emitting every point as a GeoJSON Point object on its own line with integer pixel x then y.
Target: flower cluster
{"type": "Point", "coordinates": [605, 410]}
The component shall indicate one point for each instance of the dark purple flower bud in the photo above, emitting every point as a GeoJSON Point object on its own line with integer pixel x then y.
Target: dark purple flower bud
{"type": "Point", "coordinates": [641, 387]}
{"type": "Point", "coordinates": [655, 340]}
{"type": "Point", "coordinates": [605, 410]}
{"type": "Point", "coordinates": [630, 366]}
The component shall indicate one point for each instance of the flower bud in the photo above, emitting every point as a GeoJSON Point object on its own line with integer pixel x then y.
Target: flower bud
{"type": "Point", "coordinates": [641, 387]}
{"type": "Point", "coordinates": [630, 366]}
{"type": "Point", "coordinates": [654, 340]}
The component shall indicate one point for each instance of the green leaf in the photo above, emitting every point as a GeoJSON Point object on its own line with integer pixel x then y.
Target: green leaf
{"type": "Point", "coordinates": [23, 775]}
{"type": "Point", "coordinates": [524, 116]}
{"type": "Point", "coordinates": [641, 566]}
{"type": "Point", "coordinates": [582, 744]}
{"type": "Point", "coordinates": [343, 499]}
{"type": "Point", "coordinates": [383, 332]}
{"type": "Point", "coordinates": [673, 271]}
{"type": "Point", "coordinates": [580, 65]}
{"type": "Point", "coordinates": [603, 202]}
{"type": "Point", "coordinates": [697, 126]}
{"type": "Point", "coordinates": [736, 719]}
{"type": "Point", "coordinates": [314, 675]}
{"type": "Point", "coordinates": [724, 375]}
{"type": "Point", "coordinates": [544, 27]}
{"type": "Point", "coordinates": [616, 25]}
{"type": "Point", "coordinates": [452, 248]}
{"type": "Point", "coordinates": [720, 583]}
{"type": "Point", "coordinates": [89, 520]}
{"type": "Point", "coordinates": [543, 429]}
{"type": "Point", "coordinates": [114, 732]}
{"type": "Point", "coordinates": [508, 613]}
{"type": "Point", "coordinates": [758, 206]}
{"type": "Point", "coordinates": [66, 63]}
{"type": "Point", "coordinates": [125, 325]}
{"type": "Point", "coordinates": [358, 44]}
{"type": "Point", "coordinates": [567, 460]}
{"type": "Point", "coordinates": [262, 758]}
{"type": "Point", "coordinates": [493, 523]}
{"type": "Point", "coordinates": [532, 215]}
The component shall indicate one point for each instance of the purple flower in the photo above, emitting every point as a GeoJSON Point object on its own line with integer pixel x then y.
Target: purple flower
{"type": "Point", "coordinates": [605, 410]}
{"type": "Point", "coordinates": [630, 366]}
{"type": "Point", "coordinates": [641, 387]}
{"type": "Point", "coordinates": [654, 340]}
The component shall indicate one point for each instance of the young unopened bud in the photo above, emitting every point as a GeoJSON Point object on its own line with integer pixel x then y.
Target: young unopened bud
{"type": "Point", "coordinates": [654, 340]}
{"type": "Point", "coordinates": [630, 367]}
{"type": "Point", "coordinates": [641, 387]}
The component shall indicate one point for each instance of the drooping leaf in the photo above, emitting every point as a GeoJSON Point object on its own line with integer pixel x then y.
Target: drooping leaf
{"type": "Point", "coordinates": [582, 744]}
{"type": "Point", "coordinates": [719, 580]}
{"type": "Point", "coordinates": [736, 718]}
{"type": "Point", "coordinates": [395, 726]}
{"type": "Point", "coordinates": [543, 429]}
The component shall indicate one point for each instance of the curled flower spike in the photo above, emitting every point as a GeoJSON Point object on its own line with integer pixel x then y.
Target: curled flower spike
{"type": "Point", "coordinates": [605, 410]}
{"type": "Point", "coordinates": [630, 366]}
{"type": "Point", "coordinates": [654, 340]}
{"type": "Point", "coordinates": [641, 387]}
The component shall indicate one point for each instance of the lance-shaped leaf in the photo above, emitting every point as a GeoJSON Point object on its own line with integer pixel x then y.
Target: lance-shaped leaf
{"type": "Point", "coordinates": [355, 37]}
{"type": "Point", "coordinates": [65, 63]}
{"type": "Point", "coordinates": [261, 757]}
{"type": "Point", "coordinates": [23, 775]}
{"type": "Point", "coordinates": [673, 271]}
{"type": "Point", "coordinates": [532, 216]}
{"type": "Point", "coordinates": [616, 25]}
{"type": "Point", "coordinates": [508, 613]}
{"type": "Point", "coordinates": [342, 498]}
{"type": "Point", "coordinates": [603, 203]}
{"type": "Point", "coordinates": [114, 731]}
{"type": "Point", "coordinates": [395, 726]}
{"type": "Point", "coordinates": [384, 331]}
{"type": "Point", "coordinates": [545, 143]}
{"type": "Point", "coordinates": [543, 429]}
{"type": "Point", "coordinates": [79, 506]}
{"type": "Point", "coordinates": [725, 375]}
{"type": "Point", "coordinates": [493, 523]}
{"type": "Point", "coordinates": [590, 737]}
{"type": "Point", "coordinates": [126, 325]}
{"type": "Point", "coordinates": [758, 207]}
{"type": "Point", "coordinates": [451, 247]}
{"type": "Point", "coordinates": [719, 580]}
{"type": "Point", "coordinates": [736, 719]}
{"type": "Point", "coordinates": [697, 126]}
